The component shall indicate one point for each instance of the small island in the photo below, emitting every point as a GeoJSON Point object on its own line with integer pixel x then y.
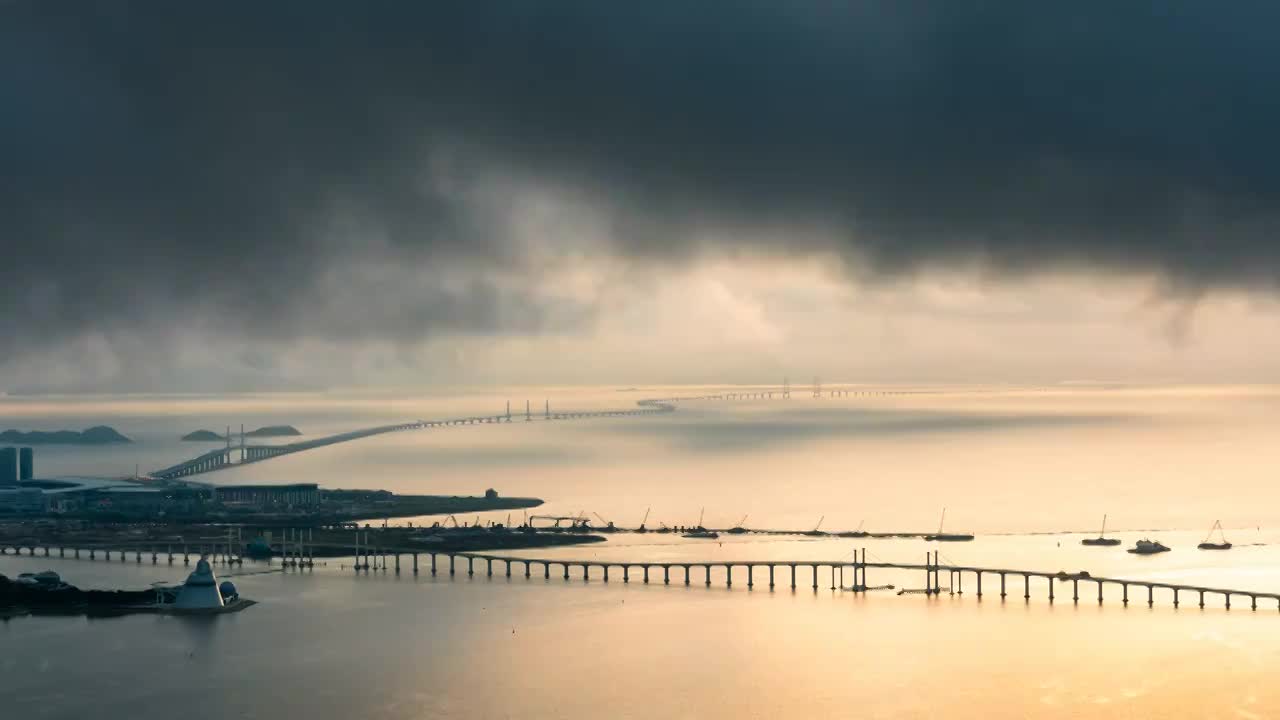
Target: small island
{"type": "Point", "coordinates": [203, 436]}
{"type": "Point", "coordinates": [266, 431]}
{"type": "Point", "coordinates": [97, 435]}
{"type": "Point", "coordinates": [274, 431]}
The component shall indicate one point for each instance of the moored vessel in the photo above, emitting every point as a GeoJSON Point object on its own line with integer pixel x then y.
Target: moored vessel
{"type": "Point", "coordinates": [1207, 545]}
{"type": "Point", "coordinates": [1148, 547]}
{"type": "Point", "coordinates": [1102, 539]}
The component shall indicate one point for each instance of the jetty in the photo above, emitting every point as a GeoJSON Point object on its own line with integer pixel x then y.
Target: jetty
{"type": "Point", "coordinates": [793, 573]}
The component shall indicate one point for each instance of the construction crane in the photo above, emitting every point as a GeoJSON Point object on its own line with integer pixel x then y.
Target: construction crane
{"type": "Point", "coordinates": [740, 528]}
{"type": "Point", "coordinates": [816, 531]}
{"type": "Point", "coordinates": [451, 519]}
{"type": "Point", "coordinates": [645, 520]}
{"type": "Point", "coordinates": [608, 526]}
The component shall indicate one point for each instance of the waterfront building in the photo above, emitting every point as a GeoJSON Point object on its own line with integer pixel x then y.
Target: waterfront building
{"type": "Point", "coordinates": [26, 463]}
{"type": "Point", "coordinates": [200, 590]}
{"type": "Point", "coordinates": [8, 466]}
{"type": "Point", "coordinates": [297, 495]}
{"type": "Point", "coordinates": [22, 501]}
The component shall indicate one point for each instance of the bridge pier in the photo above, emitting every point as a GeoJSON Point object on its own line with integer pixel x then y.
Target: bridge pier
{"type": "Point", "coordinates": [433, 564]}
{"type": "Point", "coordinates": [1151, 601]}
{"type": "Point", "coordinates": [1175, 597]}
{"type": "Point", "coordinates": [566, 570]}
{"type": "Point", "coordinates": [793, 577]}
{"type": "Point", "coordinates": [1075, 590]}
{"type": "Point", "coordinates": [471, 568]}
{"type": "Point", "coordinates": [451, 568]}
{"type": "Point", "coordinates": [488, 567]}
{"type": "Point", "coordinates": [707, 570]}
{"type": "Point", "coordinates": [1001, 586]}
{"type": "Point", "coordinates": [666, 574]}
{"type": "Point", "coordinates": [771, 576]}
{"type": "Point", "coordinates": [415, 563]}
{"type": "Point", "coordinates": [1050, 590]}
{"type": "Point", "coordinates": [626, 574]}
{"type": "Point", "coordinates": [397, 562]}
{"type": "Point", "coordinates": [687, 571]}
{"type": "Point", "coordinates": [728, 576]}
{"type": "Point", "coordinates": [586, 572]}
{"type": "Point", "coordinates": [646, 574]}
{"type": "Point", "coordinates": [507, 562]}
{"type": "Point", "coordinates": [526, 569]}
{"type": "Point", "coordinates": [815, 578]}
{"type": "Point", "coordinates": [751, 576]}
{"type": "Point", "coordinates": [606, 572]}
{"type": "Point", "coordinates": [1126, 594]}
{"type": "Point", "coordinates": [979, 574]}
{"type": "Point", "coordinates": [1175, 600]}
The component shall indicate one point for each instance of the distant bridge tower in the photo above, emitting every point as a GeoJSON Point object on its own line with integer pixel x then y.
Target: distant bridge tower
{"type": "Point", "coordinates": [786, 388]}
{"type": "Point", "coordinates": [817, 387]}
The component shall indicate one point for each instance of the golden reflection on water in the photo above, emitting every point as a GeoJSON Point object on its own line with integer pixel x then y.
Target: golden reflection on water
{"type": "Point", "coordinates": [1160, 462]}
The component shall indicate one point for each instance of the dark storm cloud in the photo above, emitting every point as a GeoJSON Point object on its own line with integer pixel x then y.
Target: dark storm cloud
{"type": "Point", "coordinates": [229, 160]}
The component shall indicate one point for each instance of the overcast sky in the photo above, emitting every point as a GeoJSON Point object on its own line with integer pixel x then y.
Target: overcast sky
{"type": "Point", "coordinates": [239, 195]}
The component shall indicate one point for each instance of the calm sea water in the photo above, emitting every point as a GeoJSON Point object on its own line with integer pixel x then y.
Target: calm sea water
{"type": "Point", "coordinates": [1019, 468]}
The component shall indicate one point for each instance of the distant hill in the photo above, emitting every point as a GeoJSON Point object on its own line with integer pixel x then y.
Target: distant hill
{"type": "Point", "coordinates": [204, 436]}
{"type": "Point", "coordinates": [268, 431]}
{"type": "Point", "coordinates": [274, 431]}
{"type": "Point", "coordinates": [98, 435]}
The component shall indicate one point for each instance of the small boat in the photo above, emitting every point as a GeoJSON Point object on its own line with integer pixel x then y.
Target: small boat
{"type": "Point", "coordinates": [1148, 547]}
{"type": "Point", "coordinates": [740, 528]}
{"type": "Point", "coordinates": [947, 537]}
{"type": "Point", "coordinates": [1102, 540]}
{"type": "Point", "coordinates": [699, 532]}
{"type": "Point", "coordinates": [1224, 545]}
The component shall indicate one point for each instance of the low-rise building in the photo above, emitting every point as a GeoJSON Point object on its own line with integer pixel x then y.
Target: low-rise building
{"type": "Point", "coordinates": [298, 495]}
{"type": "Point", "coordinates": [22, 501]}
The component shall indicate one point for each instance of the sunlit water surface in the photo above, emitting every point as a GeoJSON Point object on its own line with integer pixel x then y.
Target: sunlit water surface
{"type": "Point", "coordinates": [1007, 465]}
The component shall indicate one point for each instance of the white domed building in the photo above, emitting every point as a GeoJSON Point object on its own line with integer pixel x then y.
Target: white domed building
{"type": "Point", "coordinates": [200, 591]}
